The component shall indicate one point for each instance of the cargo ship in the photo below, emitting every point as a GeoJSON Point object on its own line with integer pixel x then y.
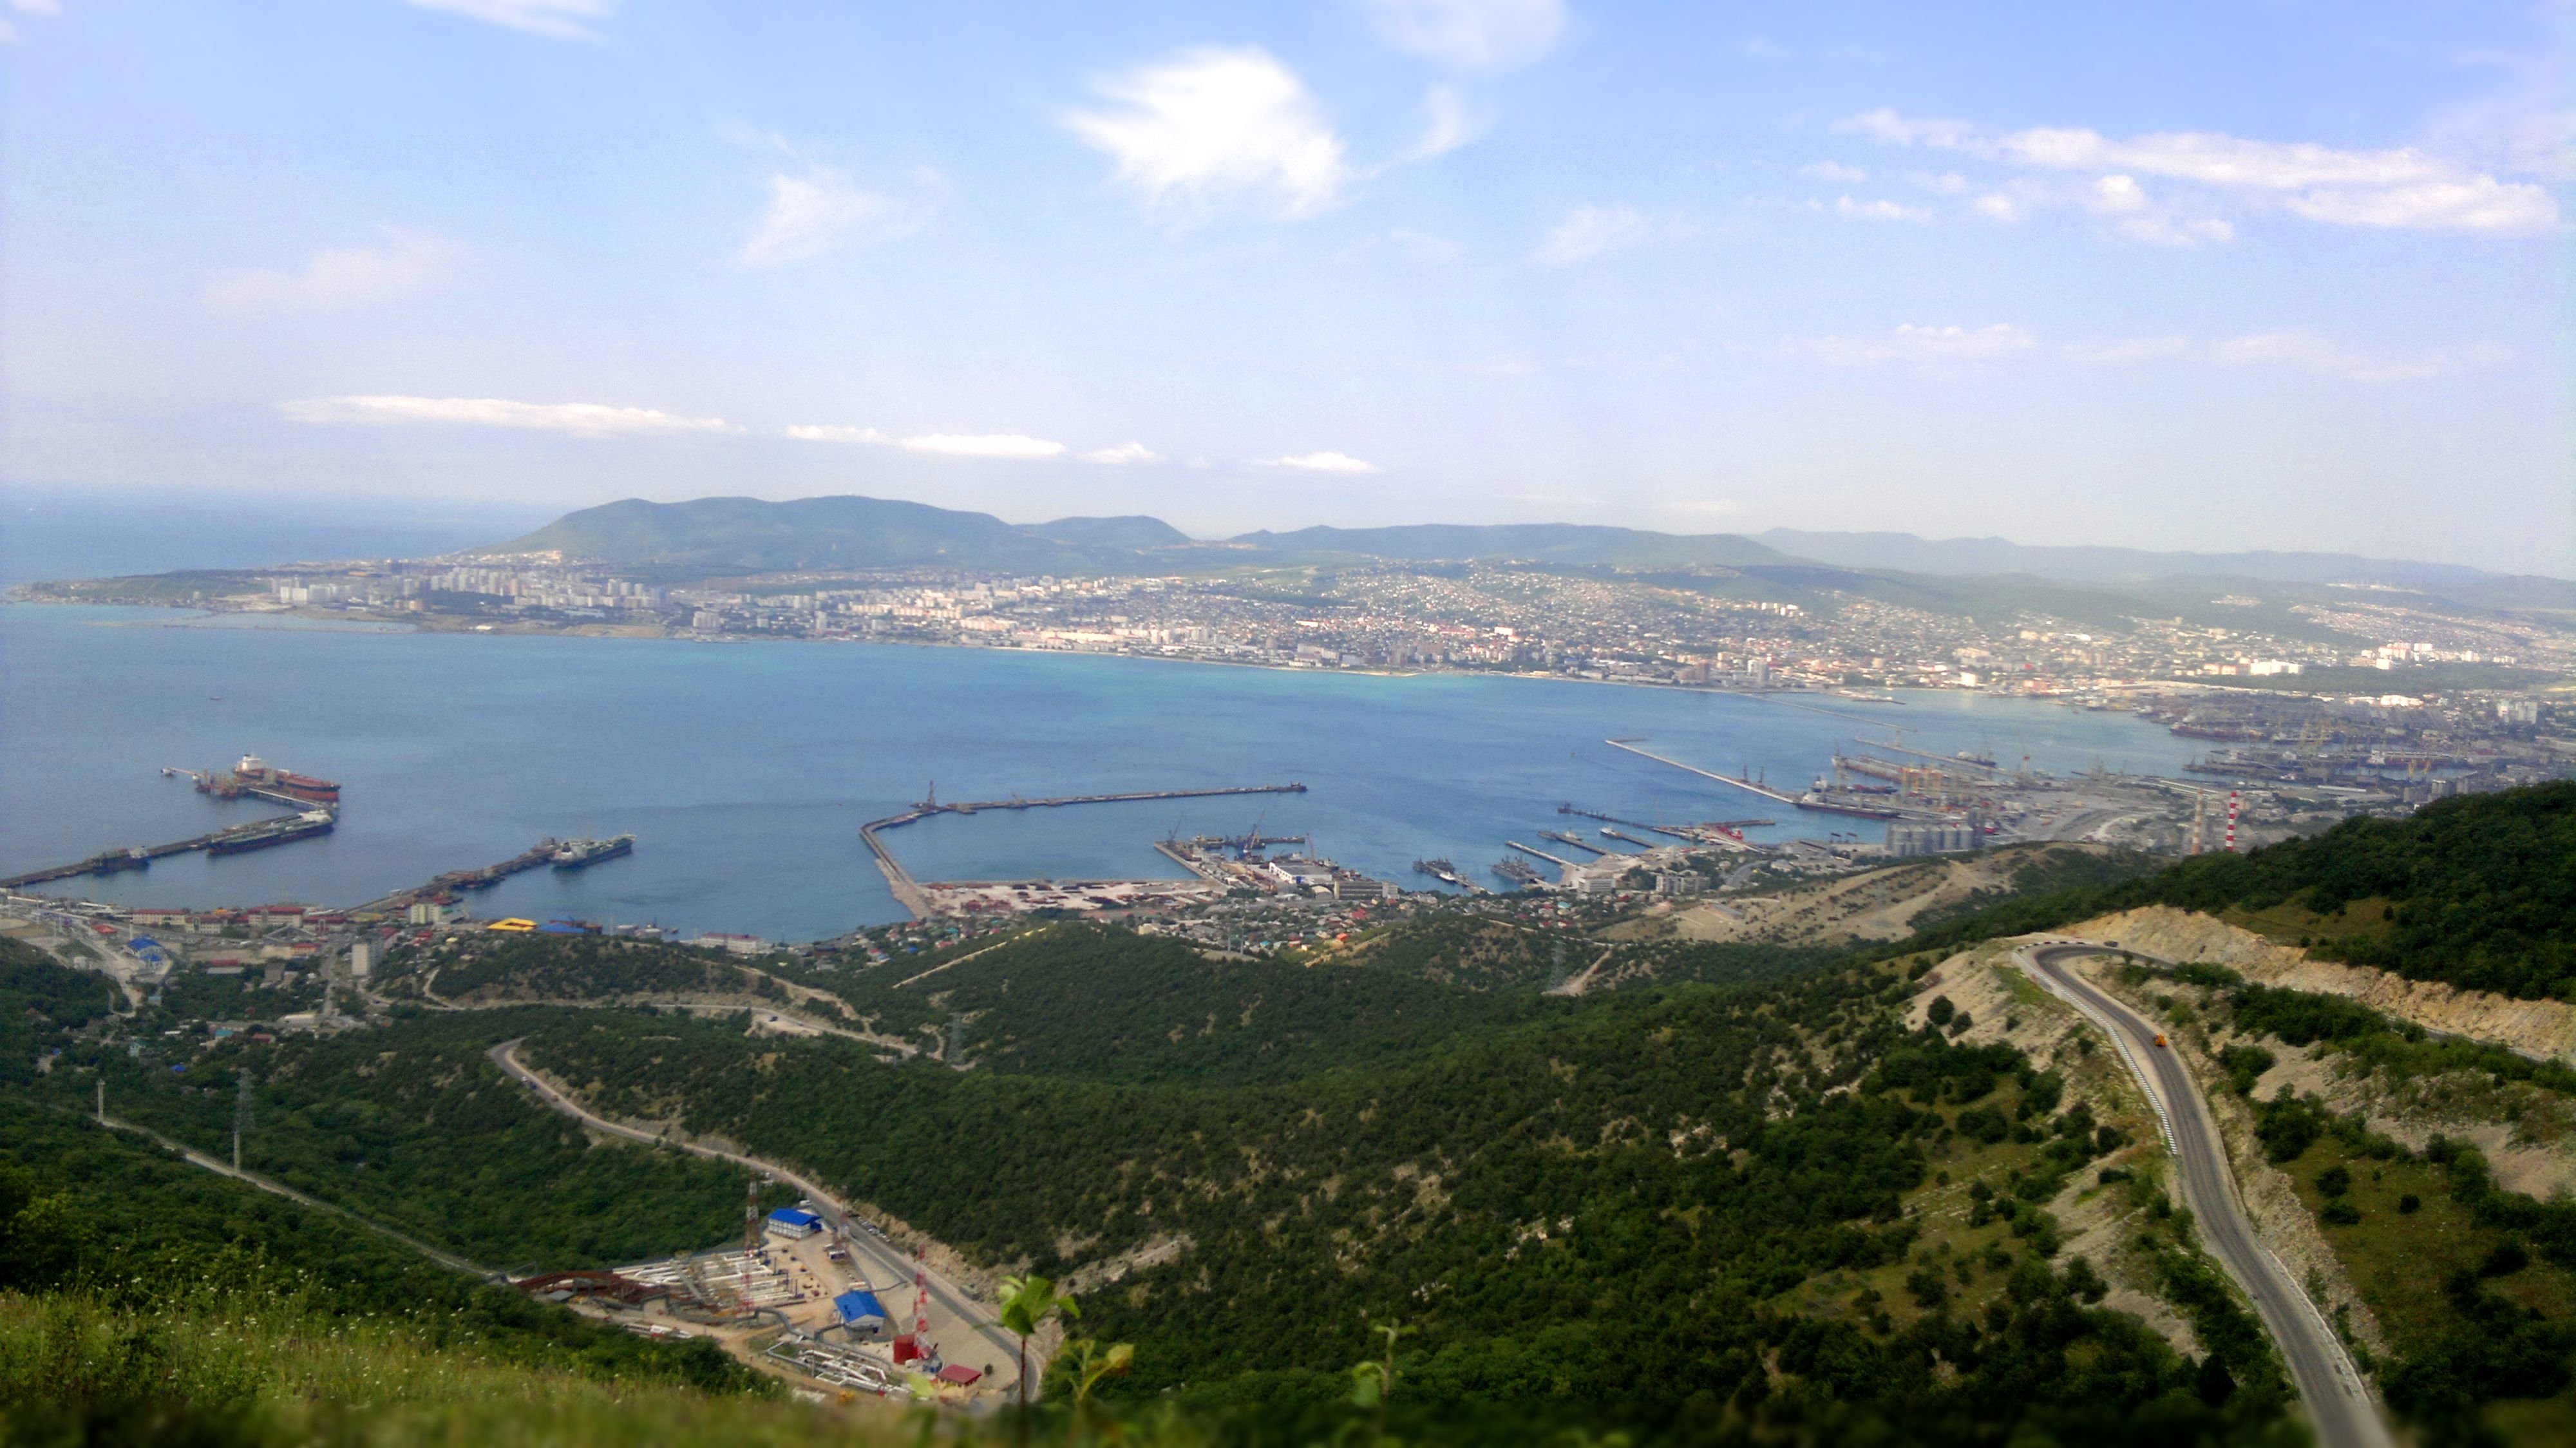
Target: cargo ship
{"type": "Point", "coordinates": [579, 854]}
{"type": "Point", "coordinates": [271, 832]}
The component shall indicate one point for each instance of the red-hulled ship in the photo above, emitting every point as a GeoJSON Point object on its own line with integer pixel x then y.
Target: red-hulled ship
{"type": "Point", "coordinates": [256, 773]}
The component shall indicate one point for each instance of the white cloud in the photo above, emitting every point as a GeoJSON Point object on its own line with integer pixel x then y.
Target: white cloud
{"type": "Point", "coordinates": [2313, 353]}
{"type": "Point", "coordinates": [1008, 446]}
{"type": "Point", "coordinates": [1124, 454]}
{"type": "Point", "coordinates": [2477, 203]}
{"type": "Point", "coordinates": [2169, 231]}
{"type": "Point", "coordinates": [2402, 188]}
{"type": "Point", "coordinates": [816, 432]}
{"type": "Point", "coordinates": [1590, 231]}
{"type": "Point", "coordinates": [2000, 207]}
{"type": "Point", "coordinates": [554, 19]}
{"type": "Point", "coordinates": [2134, 215]}
{"type": "Point", "coordinates": [1215, 124]}
{"type": "Point", "coordinates": [1321, 462]}
{"type": "Point", "coordinates": [1878, 210]}
{"type": "Point", "coordinates": [1835, 171]}
{"type": "Point", "coordinates": [1947, 183]}
{"type": "Point", "coordinates": [1487, 35]}
{"type": "Point", "coordinates": [809, 215]}
{"type": "Point", "coordinates": [47, 8]}
{"type": "Point", "coordinates": [1920, 344]}
{"type": "Point", "coordinates": [581, 419]}
{"type": "Point", "coordinates": [1886, 125]}
{"type": "Point", "coordinates": [1447, 124]}
{"type": "Point", "coordinates": [409, 261]}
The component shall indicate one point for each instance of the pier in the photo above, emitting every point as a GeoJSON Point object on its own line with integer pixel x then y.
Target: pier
{"type": "Point", "coordinates": [454, 881]}
{"type": "Point", "coordinates": [1577, 841]}
{"type": "Point", "coordinates": [932, 806]}
{"type": "Point", "coordinates": [1744, 784]}
{"type": "Point", "coordinates": [1542, 854]}
{"type": "Point", "coordinates": [909, 893]}
{"type": "Point", "coordinates": [309, 818]}
{"type": "Point", "coordinates": [1610, 833]}
{"type": "Point", "coordinates": [1610, 819]}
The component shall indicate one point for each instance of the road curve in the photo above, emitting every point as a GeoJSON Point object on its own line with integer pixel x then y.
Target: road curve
{"type": "Point", "coordinates": [2338, 1402]}
{"type": "Point", "coordinates": [946, 1294]}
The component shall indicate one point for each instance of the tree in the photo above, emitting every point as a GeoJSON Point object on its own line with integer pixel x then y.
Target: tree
{"type": "Point", "coordinates": [1027, 1302]}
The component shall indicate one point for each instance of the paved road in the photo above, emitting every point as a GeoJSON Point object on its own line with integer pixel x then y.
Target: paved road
{"type": "Point", "coordinates": [2338, 1403]}
{"type": "Point", "coordinates": [978, 1318]}
{"type": "Point", "coordinates": [220, 1167]}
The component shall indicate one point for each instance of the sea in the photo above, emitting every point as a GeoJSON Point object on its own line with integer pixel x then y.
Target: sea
{"type": "Point", "coordinates": [745, 769]}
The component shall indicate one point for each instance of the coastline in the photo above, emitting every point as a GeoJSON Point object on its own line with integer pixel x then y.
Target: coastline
{"type": "Point", "coordinates": [308, 620]}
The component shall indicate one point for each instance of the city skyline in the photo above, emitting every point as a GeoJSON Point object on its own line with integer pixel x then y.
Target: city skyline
{"type": "Point", "coordinates": [2218, 280]}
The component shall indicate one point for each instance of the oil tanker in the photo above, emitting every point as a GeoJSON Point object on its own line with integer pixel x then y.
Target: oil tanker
{"type": "Point", "coordinates": [580, 854]}
{"type": "Point", "coordinates": [271, 832]}
{"type": "Point", "coordinates": [254, 772]}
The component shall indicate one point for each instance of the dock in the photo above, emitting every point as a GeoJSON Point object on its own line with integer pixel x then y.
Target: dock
{"type": "Point", "coordinates": [912, 897]}
{"type": "Point", "coordinates": [1542, 854]}
{"type": "Point", "coordinates": [453, 881]}
{"type": "Point", "coordinates": [1743, 784]}
{"type": "Point", "coordinates": [1610, 819]}
{"type": "Point", "coordinates": [319, 819]}
{"type": "Point", "coordinates": [1609, 833]}
{"type": "Point", "coordinates": [1577, 841]}
{"type": "Point", "coordinates": [932, 806]}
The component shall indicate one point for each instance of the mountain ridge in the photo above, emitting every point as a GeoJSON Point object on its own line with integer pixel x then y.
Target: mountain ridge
{"type": "Point", "coordinates": [848, 531]}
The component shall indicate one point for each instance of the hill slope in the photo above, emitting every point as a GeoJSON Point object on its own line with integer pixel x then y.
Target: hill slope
{"type": "Point", "coordinates": [1963, 557]}
{"type": "Point", "coordinates": [1570, 543]}
{"type": "Point", "coordinates": [750, 535]}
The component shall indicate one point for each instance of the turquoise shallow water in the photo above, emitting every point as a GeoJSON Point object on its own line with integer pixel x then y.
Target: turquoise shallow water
{"type": "Point", "coordinates": [745, 769]}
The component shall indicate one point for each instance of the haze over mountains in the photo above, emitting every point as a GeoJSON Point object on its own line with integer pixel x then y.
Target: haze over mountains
{"type": "Point", "coordinates": [708, 536]}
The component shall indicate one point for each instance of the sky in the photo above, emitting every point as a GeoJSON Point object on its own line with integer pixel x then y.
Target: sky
{"type": "Point", "coordinates": [2214, 276]}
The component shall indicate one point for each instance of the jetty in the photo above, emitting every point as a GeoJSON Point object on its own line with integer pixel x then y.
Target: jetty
{"type": "Point", "coordinates": [309, 818]}
{"type": "Point", "coordinates": [1542, 854]}
{"type": "Point", "coordinates": [1763, 790]}
{"type": "Point", "coordinates": [909, 893]}
{"type": "Point", "coordinates": [1577, 841]}
{"type": "Point", "coordinates": [454, 881]}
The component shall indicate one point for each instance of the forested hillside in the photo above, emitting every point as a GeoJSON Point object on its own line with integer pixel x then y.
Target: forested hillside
{"type": "Point", "coordinates": [1588, 1216]}
{"type": "Point", "coordinates": [2477, 891]}
{"type": "Point", "coordinates": [1687, 1204]}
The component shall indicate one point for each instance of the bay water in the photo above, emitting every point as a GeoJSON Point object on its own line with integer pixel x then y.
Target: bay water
{"type": "Point", "coordinates": [745, 769]}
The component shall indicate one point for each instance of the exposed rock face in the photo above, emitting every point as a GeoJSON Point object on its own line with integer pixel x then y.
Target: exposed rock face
{"type": "Point", "coordinates": [2535, 1028]}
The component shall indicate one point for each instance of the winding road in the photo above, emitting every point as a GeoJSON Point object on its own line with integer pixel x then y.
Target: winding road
{"type": "Point", "coordinates": [947, 1295]}
{"type": "Point", "coordinates": [2338, 1402]}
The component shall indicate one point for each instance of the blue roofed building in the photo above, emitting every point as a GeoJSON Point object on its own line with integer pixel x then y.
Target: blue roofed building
{"type": "Point", "coordinates": [859, 1310]}
{"type": "Point", "coordinates": [794, 1222]}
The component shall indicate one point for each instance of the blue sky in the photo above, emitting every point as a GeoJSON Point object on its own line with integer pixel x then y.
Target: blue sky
{"type": "Point", "coordinates": [2217, 276]}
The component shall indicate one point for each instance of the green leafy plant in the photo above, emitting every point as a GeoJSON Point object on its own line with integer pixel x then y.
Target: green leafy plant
{"type": "Point", "coordinates": [1027, 1302]}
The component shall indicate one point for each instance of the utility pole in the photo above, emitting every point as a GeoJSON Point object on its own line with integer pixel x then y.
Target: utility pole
{"type": "Point", "coordinates": [241, 1113]}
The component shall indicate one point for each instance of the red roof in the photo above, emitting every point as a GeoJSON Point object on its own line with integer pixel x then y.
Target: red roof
{"type": "Point", "coordinates": [960, 1374]}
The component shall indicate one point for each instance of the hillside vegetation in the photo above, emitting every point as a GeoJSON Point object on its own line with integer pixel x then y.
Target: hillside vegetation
{"type": "Point", "coordinates": [2477, 892]}
{"type": "Point", "coordinates": [1675, 1206]}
